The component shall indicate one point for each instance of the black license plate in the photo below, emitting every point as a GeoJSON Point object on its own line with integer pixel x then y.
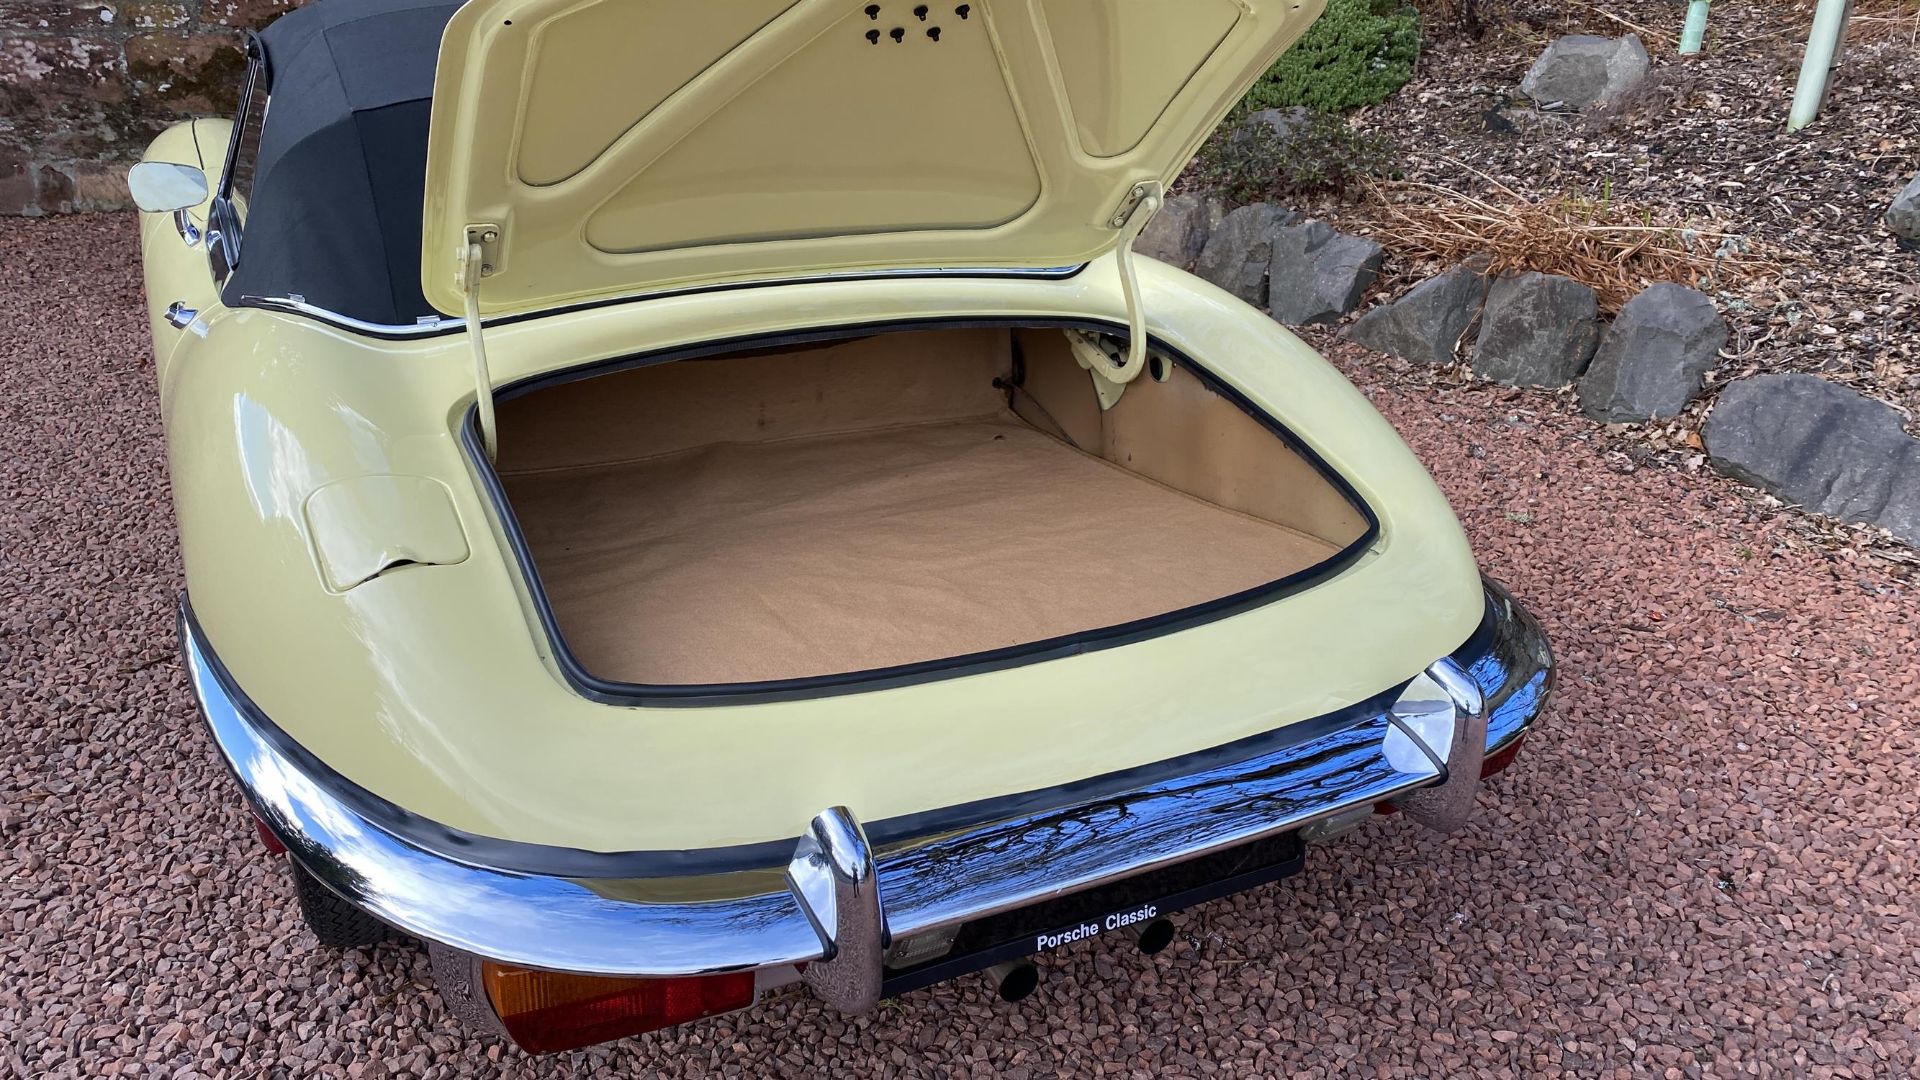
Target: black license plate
{"type": "Point", "coordinates": [1114, 908]}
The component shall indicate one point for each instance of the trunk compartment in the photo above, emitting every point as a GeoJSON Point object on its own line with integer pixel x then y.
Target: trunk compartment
{"type": "Point", "coordinates": [899, 499]}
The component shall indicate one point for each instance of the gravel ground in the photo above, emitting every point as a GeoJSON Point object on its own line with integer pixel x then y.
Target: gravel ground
{"type": "Point", "coordinates": [1703, 865]}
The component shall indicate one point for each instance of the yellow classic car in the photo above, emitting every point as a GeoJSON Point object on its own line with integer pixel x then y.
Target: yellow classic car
{"type": "Point", "coordinates": [683, 499]}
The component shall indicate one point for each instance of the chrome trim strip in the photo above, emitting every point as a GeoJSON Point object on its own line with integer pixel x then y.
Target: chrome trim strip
{"type": "Point", "coordinates": [183, 224]}
{"type": "Point", "coordinates": [562, 924]}
{"type": "Point", "coordinates": [295, 306]}
{"type": "Point", "coordinates": [430, 325]}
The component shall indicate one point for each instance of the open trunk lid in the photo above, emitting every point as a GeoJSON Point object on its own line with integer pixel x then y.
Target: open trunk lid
{"type": "Point", "coordinates": [622, 146]}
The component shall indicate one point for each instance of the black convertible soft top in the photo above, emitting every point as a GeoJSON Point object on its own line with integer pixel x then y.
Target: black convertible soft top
{"type": "Point", "coordinates": [340, 175]}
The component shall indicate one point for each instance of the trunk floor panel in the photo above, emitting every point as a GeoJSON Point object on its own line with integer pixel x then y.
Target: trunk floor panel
{"type": "Point", "coordinates": [743, 562]}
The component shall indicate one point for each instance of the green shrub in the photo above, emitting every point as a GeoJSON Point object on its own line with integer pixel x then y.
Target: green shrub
{"type": "Point", "coordinates": [1320, 152]}
{"type": "Point", "coordinates": [1357, 53]}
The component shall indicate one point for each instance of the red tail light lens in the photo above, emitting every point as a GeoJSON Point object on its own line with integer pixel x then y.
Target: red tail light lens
{"type": "Point", "coordinates": [545, 1012]}
{"type": "Point", "coordinates": [1497, 762]}
{"type": "Point", "coordinates": [274, 846]}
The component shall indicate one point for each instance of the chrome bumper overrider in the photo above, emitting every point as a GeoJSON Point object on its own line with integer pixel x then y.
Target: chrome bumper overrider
{"type": "Point", "coordinates": [843, 904]}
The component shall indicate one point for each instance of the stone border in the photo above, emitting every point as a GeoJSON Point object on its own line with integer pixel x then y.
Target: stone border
{"type": "Point", "coordinates": [85, 86]}
{"type": "Point", "coordinates": [1805, 440]}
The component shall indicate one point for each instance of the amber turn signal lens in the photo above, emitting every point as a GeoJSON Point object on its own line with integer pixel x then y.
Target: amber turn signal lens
{"type": "Point", "coordinates": [545, 1012]}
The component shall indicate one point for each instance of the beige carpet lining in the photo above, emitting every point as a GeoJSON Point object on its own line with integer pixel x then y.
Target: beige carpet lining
{"type": "Point", "coordinates": [823, 554]}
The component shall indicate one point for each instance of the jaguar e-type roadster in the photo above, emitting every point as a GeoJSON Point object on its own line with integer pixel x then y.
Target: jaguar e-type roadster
{"type": "Point", "coordinates": [681, 500]}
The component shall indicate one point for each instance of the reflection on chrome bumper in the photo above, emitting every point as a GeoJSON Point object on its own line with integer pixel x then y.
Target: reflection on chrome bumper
{"type": "Point", "coordinates": [832, 910]}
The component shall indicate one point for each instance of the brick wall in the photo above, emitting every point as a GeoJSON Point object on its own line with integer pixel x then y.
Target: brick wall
{"type": "Point", "coordinates": [84, 86]}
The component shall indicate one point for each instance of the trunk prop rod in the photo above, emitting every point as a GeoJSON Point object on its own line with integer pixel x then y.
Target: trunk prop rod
{"type": "Point", "coordinates": [1109, 380]}
{"type": "Point", "coordinates": [474, 266]}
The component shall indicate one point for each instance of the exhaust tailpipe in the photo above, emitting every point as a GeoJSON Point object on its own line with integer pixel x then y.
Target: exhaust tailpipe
{"type": "Point", "coordinates": [1015, 979]}
{"type": "Point", "coordinates": [1151, 937]}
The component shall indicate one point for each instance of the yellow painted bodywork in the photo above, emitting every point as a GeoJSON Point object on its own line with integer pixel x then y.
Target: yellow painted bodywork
{"type": "Point", "coordinates": [363, 526]}
{"type": "Point", "coordinates": [625, 146]}
{"type": "Point", "coordinates": [432, 686]}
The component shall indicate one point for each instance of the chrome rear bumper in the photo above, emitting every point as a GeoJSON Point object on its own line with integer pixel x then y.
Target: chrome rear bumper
{"type": "Point", "coordinates": [843, 903]}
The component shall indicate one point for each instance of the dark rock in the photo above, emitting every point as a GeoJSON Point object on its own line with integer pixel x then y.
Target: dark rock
{"type": "Point", "coordinates": [95, 187]}
{"type": "Point", "coordinates": [1537, 330]}
{"type": "Point", "coordinates": [154, 14]}
{"type": "Point", "coordinates": [48, 16]}
{"type": "Point", "coordinates": [56, 190]}
{"type": "Point", "coordinates": [1240, 251]}
{"type": "Point", "coordinates": [187, 73]}
{"type": "Point", "coordinates": [1427, 322]}
{"type": "Point", "coordinates": [31, 190]}
{"type": "Point", "coordinates": [1819, 445]}
{"type": "Point", "coordinates": [1282, 122]}
{"type": "Point", "coordinates": [1581, 70]}
{"type": "Point", "coordinates": [1903, 217]}
{"type": "Point", "coordinates": [19, 192]}
{"type": "Point", "coordinates": [1178, 233]}
{"type": "Point", "coordinates": [1317, 274]}
{"type": "Point", "coordinates": [1654, 356]}
{"type": "Point", "coordinates": [251, 14]}
{"type": "Point", "coordinates": [85, 86]}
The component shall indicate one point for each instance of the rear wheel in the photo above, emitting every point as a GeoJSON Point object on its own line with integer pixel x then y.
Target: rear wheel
{"type": "Point", "coordinates": [337, 923]}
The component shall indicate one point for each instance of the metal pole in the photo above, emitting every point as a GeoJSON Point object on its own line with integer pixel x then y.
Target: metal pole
{"type": "Point", "coordinates": [1695, 31]}
{"type": "Point", "coordinates": [1823, 55]}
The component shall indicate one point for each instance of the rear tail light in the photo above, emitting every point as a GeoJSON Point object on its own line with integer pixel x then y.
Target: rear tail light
{"type": "Point", "coordinates": [545, 1012]}
{"type": "Point", "coordinates": [1497, 762]}
{"type": "Point", "coordinates": [1494, 763]}
{"type": "Point", "coordinates": [274, 846]}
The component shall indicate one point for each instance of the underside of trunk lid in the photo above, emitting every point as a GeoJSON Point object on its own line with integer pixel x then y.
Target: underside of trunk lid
{"type": "Point", "coordinates": [615, 147]}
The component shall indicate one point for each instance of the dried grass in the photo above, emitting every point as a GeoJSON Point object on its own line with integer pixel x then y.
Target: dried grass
{"type": "Point", "coordinates": [1448, 18]}
{"type": "Point", "coordinates": [1653, 39]}
{"type": "Point", "coordinates": [1876, 21]}
{"type": "Point", "coordinates": [1613, 248]}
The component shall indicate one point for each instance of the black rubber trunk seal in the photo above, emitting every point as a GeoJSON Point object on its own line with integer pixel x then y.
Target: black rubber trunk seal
{"type": "Point", "coordinates": [612, 692]}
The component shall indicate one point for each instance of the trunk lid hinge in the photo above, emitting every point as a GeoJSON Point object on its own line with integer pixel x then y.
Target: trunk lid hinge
{"type": "Point", "coordinates": [481, 260]}
{"type": "Point", "coordinates": [1110, 373]}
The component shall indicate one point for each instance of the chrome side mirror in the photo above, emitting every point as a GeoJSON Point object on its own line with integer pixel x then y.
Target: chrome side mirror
{"type": "Point", "coordinates": [159, 187]}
